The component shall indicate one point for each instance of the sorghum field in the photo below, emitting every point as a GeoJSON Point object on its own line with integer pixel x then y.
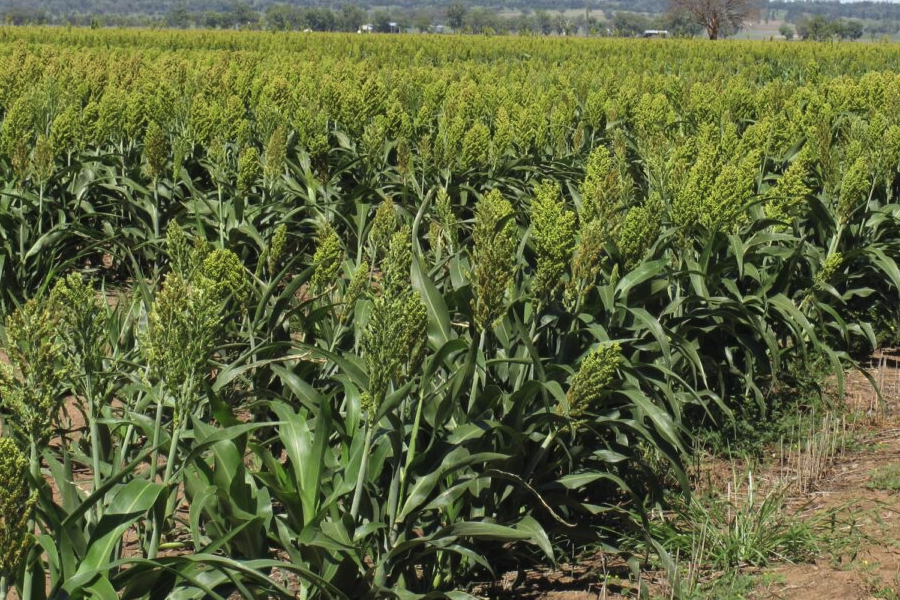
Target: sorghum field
{"type": "Point", "coordinates": [337, 316]}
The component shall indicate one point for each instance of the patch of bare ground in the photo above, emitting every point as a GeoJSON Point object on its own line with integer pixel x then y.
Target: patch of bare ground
{"type": "Point", "coordinates": [861, 488]}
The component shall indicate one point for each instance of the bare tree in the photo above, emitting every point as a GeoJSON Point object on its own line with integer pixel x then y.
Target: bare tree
{"type": "Point", "coordinates": [715, 15]}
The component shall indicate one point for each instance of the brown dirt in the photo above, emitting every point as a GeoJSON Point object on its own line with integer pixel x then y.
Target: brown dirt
{"type": "Point", "coordinates": [865, 561]}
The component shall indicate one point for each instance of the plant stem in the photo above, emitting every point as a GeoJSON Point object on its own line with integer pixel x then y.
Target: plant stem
{"type": "Point", "coordinates": [361, 478]}
{"type": "Point", "coordinates": [540, 455]}
{"type": "Point", "coordinates": [221, 224]}
{"type": "Point", "coordinates": [156, 218]}
{"type": "Point", "coordinates": [410, 456]}
{"type": "Point", "coordinates": [170, 502]}
{"type": "Point", "coordinates": [154, 460]}
{"type": "Point", "coordinates": [4, 587]}
{"type": "Point", "coordinates": [95, 443]}
{"type": "Point", "coordinates": [474, 392]}
{"type": "Point", "coordinates": [35, 468]}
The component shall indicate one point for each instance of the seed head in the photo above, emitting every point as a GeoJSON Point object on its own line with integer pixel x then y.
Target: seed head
{"type": "Point", "coordinates": [394, 343]}
{"type": "Point", "coordinates": [829, 268]}
{"type": "Point", "coordinates": [593, 378]}
{"type": "Point", "coordinates": [276, 248]}
{"type": "Point", "coordinates": [359, 283]}
{"type": "Point", "coordinates": [31, 384]}
{"type": "Point", "coordinates": [446, 218]}
{"type": "Point", "coordinates": [43, 159]}
{"type": "Point", "coordinates": [639, 231]}
{"type": "Point", "coordinates": [225, 271]}
{"type": "Point", "coordinates": [82, 327]}
{"type": "Point", "coordinates": [397, 263]}
{"type": "Point", "coordinates": [587, 262]}
{"type": "Point", "coordinates": [16, 507]}
{"type": "Point", "coordinates": [276, 155]}
{"type": "Point", "coordinates": [182, 330]}
{"type": "Point", "coordinates": [248, 170]}
{"type": "Point", "coordinates": [493, 258]}
{"type": "Point", "coordinates": [784, 200]}
{"type": "Point", "coordinates": [384, 225]}
{"type": "Point", "coordinates": [156, 150]}
{"type": "Point", "coordinates": [553, 232]}
{"type": "Point", "coordinates": [476, 146]}
{"type": "Point", "coordinates": [327, 259]}
{"type": "Point", "coordinates": [854, 188]}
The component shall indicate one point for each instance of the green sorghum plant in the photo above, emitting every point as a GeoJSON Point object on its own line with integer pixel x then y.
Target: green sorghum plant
{"type": "Point", "coordinates": [156, 150]}
{"type": "Point", "coordinates": [82, 326]}
{"type": "Point", "coordinates": [493, 258]}
{"type": "Point", "coordinates": [181, 335]}
{"type": "Point", "coordinates": [553, 232]}
{"type": "Point", "coordinates": [476, 147]}
{"type": "Point", "coordinates": [275, 251]}
{"type": "Point", "coordinates": [598, 195]}
{"type": "Point", "coordinates": [854, 189]}
{"type": "Point", "coordinates": [16, 508]}
{"type": "Point", "coordinates": [30, 384]}
{"type": "Point", "coordinates": [829, 268]}
{"type": "Point", "coordinates": [785, 198]}
{"type": "Point", "coordinates": [446, 217]}
{"type": "Point", "coordinates": [397, 262]}
{"type": "Point", "coordinates": [596, 373]}
{"type": "Point", "coordinates": [725, 207]}
{"type": "Point", "coordinates": [359, 283]}
{"type": "Point", "coordinates": [639, 231]}
{"type": "Point", "coordinates": [248, 170]}
{"type": "Point", "coordinates": [276, 155]}
{"type": "Point", "coordinates": [384, 224]}
{"type": "Point", "coordinates": [43, 159]}
{"type": "Point", "coordinates": [586, 263]}
{"type": "Point", "coordinates": [327, 259]}
{"type": "Point", "coordinates": [227, 274]}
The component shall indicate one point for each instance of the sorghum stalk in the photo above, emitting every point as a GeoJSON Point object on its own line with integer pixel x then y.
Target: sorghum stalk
{"type": "Point", "coordinates": [363, 467]}
{"type": "Point", "coordinates": [34, 467]}
{"type": "Point", "coordinates": [473, 393]}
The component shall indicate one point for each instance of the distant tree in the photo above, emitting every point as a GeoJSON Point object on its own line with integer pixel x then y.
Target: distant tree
{"type": "Point", "coordinates": [717, 16]}
{"type": "Point", "coordinates": [543, 22]}
{"type": "Point", "coordinates": [178, 16]}
{"type": "Point", "coordinates": [851, 30]}
{"type": "Point", "coordinates": [243, 15]}
{"type": "Point", "coordinates": [352, 17]}
{"type": "Point", "coordinates": [680, 24]}
{"type": "Point", "coordinates": [421, 22]}
{"type": "Point", "coordinates": [816, 28]}
{"type": "Point", "coordinates": [629, 24]}
{"type": "Point", "coordinates": [786, 31]}
{"type": "Point", "coordinates": [381, 20]}
{"type": "Point", "coordinates": [456, 15]}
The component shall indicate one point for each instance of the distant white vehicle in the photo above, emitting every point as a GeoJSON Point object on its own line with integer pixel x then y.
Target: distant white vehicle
{"type": "Point", "coordinates": [366, 28]}
{"type": "Point", "coordinates": [655, 33]}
